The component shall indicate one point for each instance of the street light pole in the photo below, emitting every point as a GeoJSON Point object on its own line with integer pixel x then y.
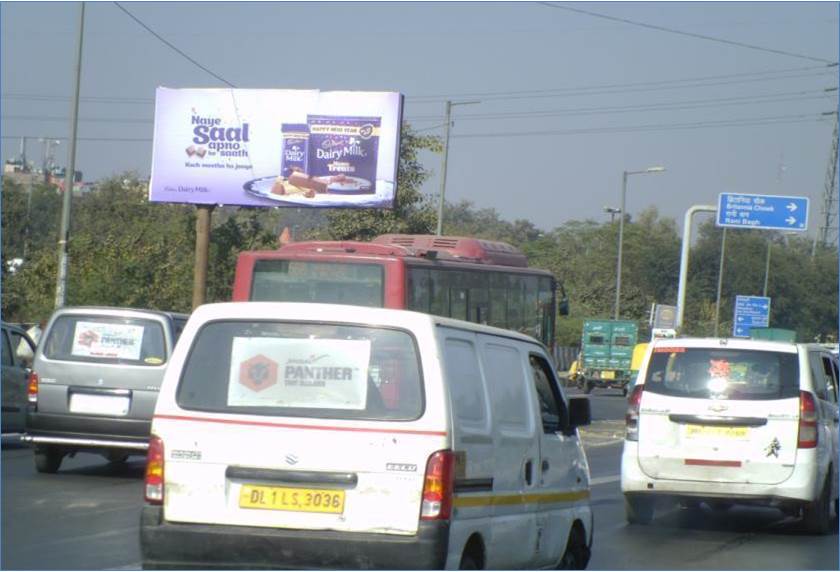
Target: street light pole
{"type": "Point", "coordinates": [449, 106]}
{"type": "Point", "coordinates": [69, 172]}
{"type": "Point", "coordinates": [623, 210]}
{"type": "Point", "coordinates": [612, 212]}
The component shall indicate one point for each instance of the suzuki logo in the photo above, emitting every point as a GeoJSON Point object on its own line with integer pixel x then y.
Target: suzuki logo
{"type": "Point", "coordinates": [718, 407]}
{"type": "Point", "coordinates": [291, 459]}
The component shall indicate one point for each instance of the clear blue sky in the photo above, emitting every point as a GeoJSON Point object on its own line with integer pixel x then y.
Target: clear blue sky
{"type": "Point", "coordinates": [563, 164]}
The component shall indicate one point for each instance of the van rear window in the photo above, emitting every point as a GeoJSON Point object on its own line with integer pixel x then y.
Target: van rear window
{"type": "Point", "coordinates": [104, 339]}
{"type": "Point", "coordinates": [723, 373]}
{"type": "Point", "coordinates": [303, 370]}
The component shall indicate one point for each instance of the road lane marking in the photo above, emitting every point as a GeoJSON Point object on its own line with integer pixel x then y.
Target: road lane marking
{"type": "Point", "coordinates": [604, 480]}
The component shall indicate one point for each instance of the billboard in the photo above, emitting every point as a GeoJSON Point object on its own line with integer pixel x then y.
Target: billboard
{"type": "Point", "coordinates": [271, 147]}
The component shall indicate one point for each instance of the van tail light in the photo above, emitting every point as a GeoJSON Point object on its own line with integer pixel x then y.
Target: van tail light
{"type": "Point", "coordinates": [154, 471]}
{"type": "Point", "coordinates": [631, 418]}
{"type": "Point", "coordinates": [808, 434]}
{"type": "Point", "coordinates": [32, 388]}
{"type": "Point", "coordinates": [438, 486]}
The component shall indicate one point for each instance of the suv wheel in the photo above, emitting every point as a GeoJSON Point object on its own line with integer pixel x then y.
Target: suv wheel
{"type": "Point", "coordinates": [817, 515]}
{"type": "Point", "coordinates": [577, 554]}
{"type": "Point", "coordinates": [48, 459]}
{"type": "Point", "coordinates": [638, 510]}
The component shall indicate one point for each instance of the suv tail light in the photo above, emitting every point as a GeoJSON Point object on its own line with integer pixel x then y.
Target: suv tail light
{"type": "Point", "coordinates": [631, 419]}
{"type": "Point", "coordinates": [32, 388]}
{"type": "Point", "coordinates": [808, 434]}
{"type": "Point", "coordinates": [438, 486]}
{"type": "Point", "coordinates": [154, 471]}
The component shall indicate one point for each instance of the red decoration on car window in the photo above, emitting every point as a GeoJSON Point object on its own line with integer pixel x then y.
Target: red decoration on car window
{"type": "Point", "coordinates": [258, 373]}
{"type": "Point", "coordinates": [719, 368]}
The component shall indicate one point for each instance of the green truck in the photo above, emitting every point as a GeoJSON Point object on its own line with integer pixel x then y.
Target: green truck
{"type": "Point", "coordinates": [606, 352]}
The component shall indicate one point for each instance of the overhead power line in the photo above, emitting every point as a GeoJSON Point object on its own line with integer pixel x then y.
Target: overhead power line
{"type": "Point", "coordinates": [739, 77]}
{"type": "Point", "coordinates": [597, 89]}
{"type": "Point", "coordinates": [165, 41]}
{"type": "Point", "coordinates": [689, 34]}
{"type": "Point", "coordinates": [735, 122]}
{"type": "Point", "coordinates": [745, 122]}
{"type": "Point", "coordinates": [678, 105]}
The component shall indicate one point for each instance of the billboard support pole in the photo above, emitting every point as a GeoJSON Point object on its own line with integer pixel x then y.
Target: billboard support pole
{"type": "Point", "coordinates": [202, 249]}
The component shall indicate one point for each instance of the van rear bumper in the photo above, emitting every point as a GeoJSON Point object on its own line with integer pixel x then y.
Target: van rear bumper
{"type": "Point", "coordinates": [87, 431]}
{"type": "Point", "coordinates": [166, 545]}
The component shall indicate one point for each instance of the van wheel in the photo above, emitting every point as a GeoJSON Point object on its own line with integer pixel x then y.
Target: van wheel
{"type": "Point", "coordinates": [468, 562]}
{"type": "Point", "coordinates": [817, 515]}
{"type": "Point", "coordinates": [638, 510]}
{"type": "Point", "coordinates": [576, 556]}
{"type": "Point", "coordinates": [48, 459]}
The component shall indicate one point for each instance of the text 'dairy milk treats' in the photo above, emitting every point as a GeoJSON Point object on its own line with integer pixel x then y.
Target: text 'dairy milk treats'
{"type": "Point", "coordinates": [295, 148]}
{"type": "Point", "coordinates": [343, 152]}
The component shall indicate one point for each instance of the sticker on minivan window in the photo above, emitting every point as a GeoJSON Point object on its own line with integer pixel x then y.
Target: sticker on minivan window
{"type": "Point", "coordinates": [668, 350]}
{"type": "Point", "coordinates": [118, 341]}
{"type": "Point", "coordinates": [306, 373]}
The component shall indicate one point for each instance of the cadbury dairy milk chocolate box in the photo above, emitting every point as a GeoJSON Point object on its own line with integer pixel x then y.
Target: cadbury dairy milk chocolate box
{"type": "Point", "coordinates": [343, 152]}
{"type": "Point", "coordinates": [295, 148]}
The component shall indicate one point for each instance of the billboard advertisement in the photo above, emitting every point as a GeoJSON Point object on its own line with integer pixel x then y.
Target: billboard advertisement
{"type": "Point", "coordinates": [271, 147]}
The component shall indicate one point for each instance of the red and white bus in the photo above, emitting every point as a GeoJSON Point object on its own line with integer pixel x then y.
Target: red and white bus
{"type": "Point", "coordinates": [466, 278]}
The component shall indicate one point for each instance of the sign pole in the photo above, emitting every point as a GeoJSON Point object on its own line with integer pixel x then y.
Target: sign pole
{"type": "Point", "coordinates": [202, 249]}
{"type": "Point", "coordinates": [720, 281]}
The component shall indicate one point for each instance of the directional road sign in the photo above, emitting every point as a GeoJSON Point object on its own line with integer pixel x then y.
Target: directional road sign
{"type": "Point", "coordinates": [750, 312]}
{"type": "Point", "coordinates": [773, 212]}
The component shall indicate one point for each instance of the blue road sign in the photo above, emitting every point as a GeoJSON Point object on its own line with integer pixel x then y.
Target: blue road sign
{"type": "Point", "coordinates": [750, 312]}
{"type": "Point", "coordinates": [772, 212]}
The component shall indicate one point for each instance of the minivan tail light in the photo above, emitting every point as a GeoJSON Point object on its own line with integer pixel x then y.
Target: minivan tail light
{"type": "Point", "coordinates": [154, 471]}
{"type": "Point", "coordinates": [438, 486]}
{"type": "Point", "coordinates": [808, 434]}
{"type": "Point", "coordinates": [631, 418]}
{"type": "Point", "coordinates": [32, 388]}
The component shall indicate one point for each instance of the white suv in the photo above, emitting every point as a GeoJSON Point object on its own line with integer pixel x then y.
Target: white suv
{"type": "Point", "coordinates": [730, 421]}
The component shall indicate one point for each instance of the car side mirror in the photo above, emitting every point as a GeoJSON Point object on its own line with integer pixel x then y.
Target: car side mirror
{"type": "Point", "coordinates": [580, 413]}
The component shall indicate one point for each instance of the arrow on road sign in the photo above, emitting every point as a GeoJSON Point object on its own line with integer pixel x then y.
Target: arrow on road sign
{"type": "Point", "coordinates": [790, 220]}
{"type": "Point", "coordinates": [791, 207]}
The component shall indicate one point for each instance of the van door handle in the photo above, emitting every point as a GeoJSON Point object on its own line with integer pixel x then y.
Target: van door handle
{"type": "Point", "coordinates": [545, 466]}
{"type": "Point", "coordinates": [529, 472]}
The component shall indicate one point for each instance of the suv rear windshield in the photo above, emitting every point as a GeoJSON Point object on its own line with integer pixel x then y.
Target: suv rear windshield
{"type": "Point", "coordinates": [104, 339]}
{"type": "Point", "coordinates": [709, 373]}
{"type": "Point", "coordinates": [303, 370]}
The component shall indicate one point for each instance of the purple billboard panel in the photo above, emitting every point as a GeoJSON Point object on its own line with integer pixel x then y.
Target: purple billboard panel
{"type": "Point", "coordinates": [271, 147]}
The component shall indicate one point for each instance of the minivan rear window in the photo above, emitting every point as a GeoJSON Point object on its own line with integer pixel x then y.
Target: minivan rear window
{"type": "Point", "coordinates": [303, 370]}
{"type": "Point", "coordinates": [712, 373]}
{"type": "Point", "coordinates": [105, 339]}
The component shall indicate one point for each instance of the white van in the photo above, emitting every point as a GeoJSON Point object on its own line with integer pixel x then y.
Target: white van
{"type": "Point", "coordinates": [294, 435]}
{"type": "Point", "coordinates": [726, 421]}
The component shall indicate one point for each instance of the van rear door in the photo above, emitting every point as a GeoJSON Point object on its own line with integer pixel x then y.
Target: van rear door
{"type": "Point", "coordinates": [298, 425]}
{"type": "Point", "coordinates": [719, 414]}
{"type": "Point", "coordinates": [101, 364]}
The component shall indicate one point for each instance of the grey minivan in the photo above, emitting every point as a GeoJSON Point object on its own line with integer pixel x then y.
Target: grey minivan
{"type": "Point", "coordinates": [95, 382]}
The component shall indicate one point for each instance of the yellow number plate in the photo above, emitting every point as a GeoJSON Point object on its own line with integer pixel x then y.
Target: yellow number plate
{"type": "Point", "coordinates": [702, 431]}
{"type": "Point", "coordinates": [291, 499]}
{"type": "Point", "coordinates": [608, 375]}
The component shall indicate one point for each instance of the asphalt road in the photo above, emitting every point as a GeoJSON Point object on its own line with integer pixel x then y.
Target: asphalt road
{"type": "Point", "coordinates": [86, 517]}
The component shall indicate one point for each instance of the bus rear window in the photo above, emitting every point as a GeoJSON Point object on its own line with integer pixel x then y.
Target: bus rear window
{"type": "Point", "coordinates": [104, 339]}
{"type": "Point", "coordinates": [324, 282]}
{"type": "Point", "coordinates": [303, 370]}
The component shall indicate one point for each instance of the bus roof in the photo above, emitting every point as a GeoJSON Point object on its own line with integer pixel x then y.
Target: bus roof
{"type": "Point", "coordinates": [430, 247]}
